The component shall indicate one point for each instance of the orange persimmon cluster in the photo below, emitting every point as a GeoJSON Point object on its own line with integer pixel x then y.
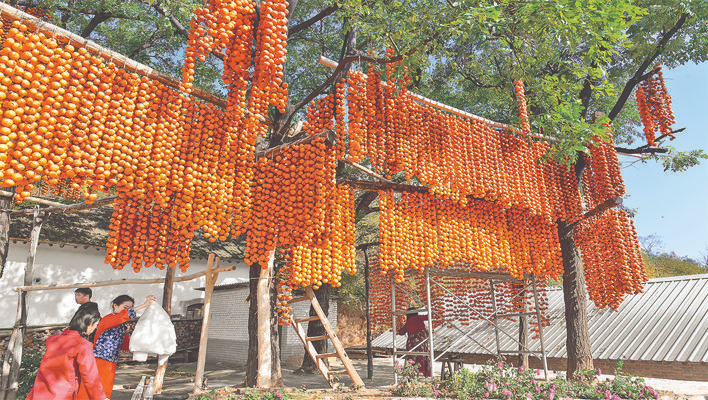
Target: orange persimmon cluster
{"type": "Point", "coordinates": [75, 124]}
{"type": "Point", "coordinates": [297, 205]}
{"type": "Point", "coordinates": [602, 179]}
{"type": "Point", "coordinates": [523, 113]}
{"type": "Point", "coordinates": [612, 258]}
{"type": "Point", "coordinates": [453, 298]}
{"type": "Point", "coordinates": [284, 295]}
{"type": "Point", "coordinates": [654, 105]}
{"type": "Point", "coordinates": [420, 230]}
{"type": "Point", "coordinates": [455, 157]}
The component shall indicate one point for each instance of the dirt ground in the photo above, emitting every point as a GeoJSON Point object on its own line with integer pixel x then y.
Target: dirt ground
{"type": "Point", "coordinates": [305, 387]}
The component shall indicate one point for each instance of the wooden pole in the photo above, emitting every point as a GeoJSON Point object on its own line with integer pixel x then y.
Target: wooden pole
{"type": "Point", "coordinates": [31, 198]}
{"type": "Point", "coordinates": [13, 354]}
{"type": "Point", "coordinates": [206, 317]}
{"type": "Point", "coordinates": [523, 331]}
{"type": "Point", "coordinates": [5, 204]}
{"type": "Point", "coordinates": [369, 350]}
{"type": "Point", "coordinates": [264, 345]}
{"type": "Point", "coordinates": [70, 208]}
{"type": "Point", "coordinates": [167, 306]}
{"type": "Point", "coordinates": [120, 281]}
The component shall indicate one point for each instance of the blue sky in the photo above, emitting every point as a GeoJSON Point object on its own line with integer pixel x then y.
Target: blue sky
{"type": "Point", "coordinates": [674, 205]}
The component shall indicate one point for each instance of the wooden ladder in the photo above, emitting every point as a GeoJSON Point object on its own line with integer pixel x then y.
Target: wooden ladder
{"type": "Point", "coordinates": [330, 334]}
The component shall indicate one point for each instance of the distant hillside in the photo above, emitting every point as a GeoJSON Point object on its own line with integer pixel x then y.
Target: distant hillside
{"type": "Point", "coordinates": [663, 265]}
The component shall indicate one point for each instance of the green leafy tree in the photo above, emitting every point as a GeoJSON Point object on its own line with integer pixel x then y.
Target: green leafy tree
{"type": "Point", "coordinates": [576, 58]}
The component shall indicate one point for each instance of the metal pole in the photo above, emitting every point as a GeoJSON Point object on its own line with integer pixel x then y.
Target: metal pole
{"type": "Point", "coordinates": [369, 350]}
{"type": "Point", "coordinates": [494, 309]}
{"type": "Point", "coordinates": [430, 320]}
{"type": "Point", "coordinates": [540, 327]}
{"type": "Point", "coordinates": [393, 326]}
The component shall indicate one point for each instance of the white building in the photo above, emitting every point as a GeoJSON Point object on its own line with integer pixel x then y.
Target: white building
{"type": "Point", "coordinates": [228, 329]}
{"type": "Point", "coordinates": [72, 250]}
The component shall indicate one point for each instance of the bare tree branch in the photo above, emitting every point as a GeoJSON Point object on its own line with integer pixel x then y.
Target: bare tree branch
{"type": "Point", "coordinates": [306, 24]}
{"type": "Point", "coordinates": [634, 80]}
{"type": "Point", "coordinates": [91, 26]}
{"type": "Point", "coordinates": [650, 150]}
{"type": "Point", "coordinates": [149, 43]}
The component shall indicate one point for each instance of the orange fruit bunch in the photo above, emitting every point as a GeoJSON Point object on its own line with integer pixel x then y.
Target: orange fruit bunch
{"type": "Point", "coordinates": [315, 225]}
{"type": "Point", "coordinates": [453, 298]}
{"type": "Point", "coordinates": [602, 179]}
{"type": "Point", "coordinates": [421, 229]}
{"type": "Point", "coordinates": [316, 262]}
{"type": "Point", "coordinates": [77, 125]}
{"type": "Point", "coordinates": [319, 116]}
{"type": "Point", "coordinates": [654, 104]}
{"type": "Point", "coordinates": [612, 258]}
{"type": "Point", "coordinates": [523, 113]}
{"type": "Point", "coordinates": [285, 294]}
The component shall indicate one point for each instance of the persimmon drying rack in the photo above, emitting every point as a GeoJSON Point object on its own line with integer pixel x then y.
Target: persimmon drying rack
{"type": "Point", "coordinates": [529, 282]}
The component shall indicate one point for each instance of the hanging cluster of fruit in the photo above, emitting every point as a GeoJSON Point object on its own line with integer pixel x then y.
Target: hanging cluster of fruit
{"type": "Point", "coordinates": [421, 230]}
{"type": "Point", "coordinates": [453, 298]}
{"type": "Point", "coordinates": [298, 206]}
{"type": "Point", "coordinates": [610, 248]}
{"type": "Point", "coordinates": [523, 113]}
{"type": "Point", "coordinates": [254, 82]}
{"type": "Point", "coordinates": [654, 105]}
{"type": "Point", "coordinates": [612, 258]}
{"type": "Point", "coordinates": [74, 123]}
{"type": "Point", "coordinates": [453, 156]}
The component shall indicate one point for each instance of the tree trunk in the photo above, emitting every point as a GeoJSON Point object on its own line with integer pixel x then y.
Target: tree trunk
{"type": "Point", "coordinates": [574, 294]}
{"type": "Point", "coordinates": [252, 364]}
{"type": "Point", "coordinates": [5, 204]}
{"type": "Point", "coordinates": [315, 328]}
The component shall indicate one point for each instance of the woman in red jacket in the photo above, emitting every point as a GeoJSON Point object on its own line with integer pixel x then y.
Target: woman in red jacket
{"type": "Point", "coordinates": [417, 340]}
{"type": "Point", "coordinates": [110, 339]}
{"type": "Point", "coordinates": [69, 361]}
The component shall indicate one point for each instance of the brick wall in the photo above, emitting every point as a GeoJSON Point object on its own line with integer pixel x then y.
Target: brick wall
{"type": "Point", "coordinates": [686, 371]}
{"type": "Point", "coordinates": [228, 329]}
{"type": "Point", "coordinates": [187, 331]}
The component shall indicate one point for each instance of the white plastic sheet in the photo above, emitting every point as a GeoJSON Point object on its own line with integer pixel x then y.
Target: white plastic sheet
{"type": "Point", "coordinates": [154, 334]}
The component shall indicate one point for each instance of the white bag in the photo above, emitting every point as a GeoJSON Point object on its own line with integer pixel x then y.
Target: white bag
{"type": "Point", "coordinates": [154, 334]}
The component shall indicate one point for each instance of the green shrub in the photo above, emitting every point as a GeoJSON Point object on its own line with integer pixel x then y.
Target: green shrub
{"type": "Point", "coordinates": [28, 371]}
{"type": "Point", "coordinates": [499, 380]}
{"type": "Point", "coordinates": [410, 385]}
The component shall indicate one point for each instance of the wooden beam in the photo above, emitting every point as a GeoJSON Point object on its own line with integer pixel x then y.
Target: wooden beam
{"type": "Point", "coordinates": [206, 318]}
{"type": "Point", "coordinates": [13, 354]}
{"type": "Point", "coordinates": [35, 199]}
{"type": "Point", "coordinates": [366, 171]}
{"type": "Point", "coordinates": [70, 208]}
{"type": "Point", "coordinates": [5, 204]}
{"type": "Point", "coordinates": [11, 13]}
{"type": "Point", "coordinates": [375, 186]}
{"type": "Point", "coordinates": [330, 139]}
{"type": "Point", "coordinates": [120, 281]}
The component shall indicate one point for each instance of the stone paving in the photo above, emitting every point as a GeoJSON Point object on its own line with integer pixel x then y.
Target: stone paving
{"type": "Point", "coordinates": [176, 380]}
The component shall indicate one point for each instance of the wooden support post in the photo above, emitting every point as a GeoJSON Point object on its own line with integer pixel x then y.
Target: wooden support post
{"type": "Point", "coordinates": [209, 288]}
{"type": "Point", "coordinates": [264, 345]}
{"type": "Point", "coordinates": [369, 350]}
{"type": "Point", "coordinates": [523, 331]}
{"type": "Point", "coordinates": [167, 306]}
{"type": "Point", "coordinates": [13, 354]}
{"type": "Point", "coordinates": [5, 204]}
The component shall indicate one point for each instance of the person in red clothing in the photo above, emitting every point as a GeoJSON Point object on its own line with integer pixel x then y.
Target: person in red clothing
{"type": "Point", "coordinates": [110, 339]}
{"type": "Point", "coordinates": [68, 361]}
{"type": "Point", "coordinates": [417, 340]}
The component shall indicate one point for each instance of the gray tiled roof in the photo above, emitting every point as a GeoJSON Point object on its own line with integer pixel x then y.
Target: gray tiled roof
{"type": "Point", "coordinates": [91, 228]}
{"type": "Point", "coordinates": [668, 322]}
